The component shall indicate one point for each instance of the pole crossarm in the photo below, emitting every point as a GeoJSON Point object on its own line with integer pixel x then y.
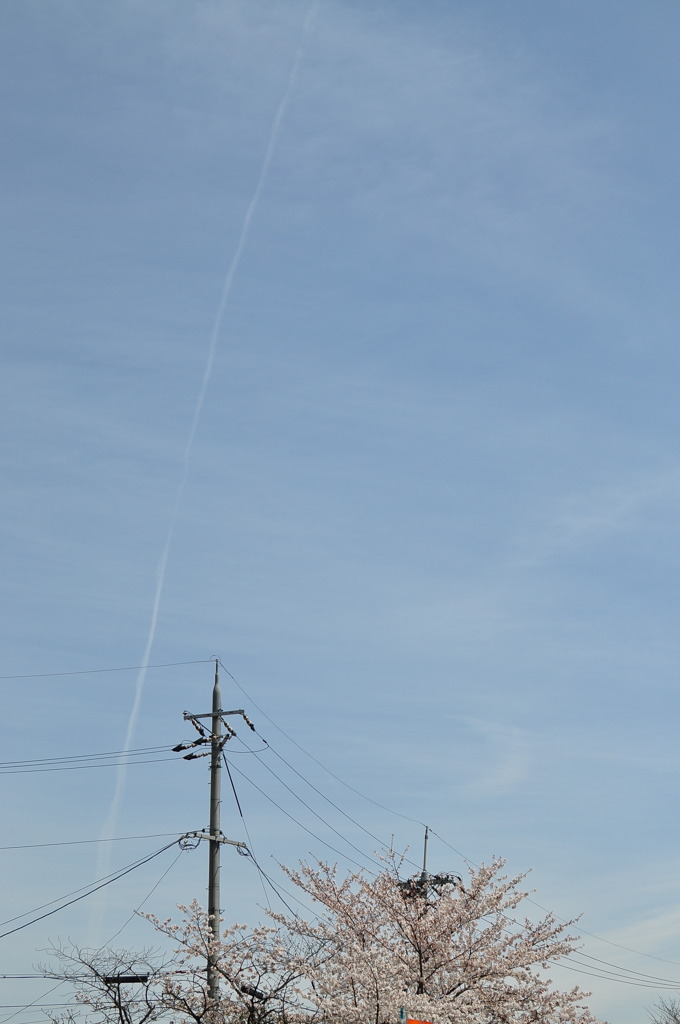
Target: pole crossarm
{"type": "Point", "coordinates": [126, 979]}
{"type": "Point", "coordinates": [186, 715]}
{"type": "Point", "coordinates": [215, 839]}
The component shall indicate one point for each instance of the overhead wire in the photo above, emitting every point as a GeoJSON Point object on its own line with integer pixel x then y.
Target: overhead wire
{"type": "Point", "coordinates": [311, 785]}
{"type": "Point", "coordinates": [274, 887]}
{"type": "Point", "coordinates": [617, 945]}
{"type": "Point", "coordinates": [66, 763]}
{"type": "Point", "coordinates": [621, 981]}
{"type": "Point", "coordinates": [264, 877]}
{"type": "Point", "coordinates": [310, 808]}
{"type": "Point", "coordinates": [83, 757]}
{"type": "Point", "coordinates": [91, 889]}
{"type": "Point", "coordinates": [621, 972]}
{"type": "Point", "coordinates": [629, 975]}
{"type": "Point", "coordinates": [342, 782]}
{"type": "Point", "coordinates": [99, 671]}
{"type": "Point", "coordinates": [22, 1006]}
{"type": "Point", "coordinates": [42, 1021]}
{"type": "Point", "coordinates": [83, 767]}
{"type": "Point", "coordinates": [572, 924]}
{"type": "Point", "coordinates": [251, 850]}
{"type": "Point", "coordinates": [299, 823]}
{"type": "Point", "coordinates": [36, 1001]}
{"type": "Point", "coordinates": [148, 896]}
{"type": "Point", "coordinates": [85, 842]}
{"type": "Point", "coordinates": [108, 942]}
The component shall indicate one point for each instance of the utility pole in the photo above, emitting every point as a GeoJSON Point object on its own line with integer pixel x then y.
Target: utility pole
{"type": "Point", "coordinates": [215, 831]}
{"type": "Point", "coordinates": [424, 875]}
{"type": "Point", "coordinates": [217, 740]}
{"type": "Point", "coordinates": [424, 884]}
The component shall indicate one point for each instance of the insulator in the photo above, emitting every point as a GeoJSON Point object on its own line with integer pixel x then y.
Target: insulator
{"type": "Point", "coordinates": [189, 745]}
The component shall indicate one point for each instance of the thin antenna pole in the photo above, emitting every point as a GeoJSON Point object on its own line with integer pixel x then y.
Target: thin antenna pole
{"type": "Point", "coordinates": [424, 874]}
{"type": "Point", "coordinates": [214, 843]}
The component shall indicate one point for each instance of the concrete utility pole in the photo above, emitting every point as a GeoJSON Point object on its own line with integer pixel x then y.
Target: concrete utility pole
{"type": "Point", "coordinates": [215, 831]}
{"type": "Point", "coordinates": [217, 739]}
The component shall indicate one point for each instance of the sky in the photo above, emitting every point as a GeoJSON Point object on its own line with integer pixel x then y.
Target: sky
{"type": "Point", "coordinates": [340, 342]}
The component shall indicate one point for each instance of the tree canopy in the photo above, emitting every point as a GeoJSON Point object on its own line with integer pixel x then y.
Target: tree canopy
{"type": "Point", "coordinates": [379, 949]}
{"type": "Point", "coordinates": [439, 949]}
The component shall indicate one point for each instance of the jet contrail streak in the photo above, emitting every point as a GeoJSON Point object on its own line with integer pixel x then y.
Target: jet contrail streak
{"type": "Point", "coordinates": [109, 827]}
{"type": "Point", "coordinates": [245, 230]}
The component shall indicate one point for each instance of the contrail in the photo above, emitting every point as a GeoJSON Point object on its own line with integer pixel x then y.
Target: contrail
{"type": "Point", "coordinates": [109, 827]}
{"type": "Point", "coordinates": [245, 230]}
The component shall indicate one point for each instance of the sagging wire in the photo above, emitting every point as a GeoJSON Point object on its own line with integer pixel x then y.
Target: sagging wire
{"type": "Point", "coordinates": [82, 757]}
{"type": "Point", "coordinates": [99, 671]}
{"type": "Point", "coordinates": [82, 767]}
{"type": "Point", "coordinates": [337, 778]}
{"type": "Point", "coordinates": [85, 842]}
{"type": "Point", "coordinates": [91, 889]}
{"type": "Point", "coordinates": [377, 839]}
{"type": "Point", "coordinates": [462, 856]}
{"type": "Point", "coordinates": [300, 825]}
{"type": "Point", "coordinates": [150, 893]}
{"type": "Point", "coordinates": [245, 827]}
{"type": "Point", "coordinates": [310, 808]}
{"type": "Point", "coordinates": [37, 1000]}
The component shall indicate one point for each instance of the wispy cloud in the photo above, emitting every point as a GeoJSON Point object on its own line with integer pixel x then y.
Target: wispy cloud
{"type": "Point", "coordinates": [502, 760]}
{"type": "Point", "coordinates": [605, 513]}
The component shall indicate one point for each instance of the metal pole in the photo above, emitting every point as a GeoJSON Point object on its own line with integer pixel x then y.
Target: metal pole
{"type": "Point", "coordinates": [424, 874]}
{"type": "Point", "coordinates": [214, 843]}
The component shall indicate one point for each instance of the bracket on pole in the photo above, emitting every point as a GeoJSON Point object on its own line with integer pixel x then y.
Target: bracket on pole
{"type": "Point", "coordinates": [215, 839]}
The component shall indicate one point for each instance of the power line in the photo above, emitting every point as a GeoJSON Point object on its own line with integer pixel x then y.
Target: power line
{"type": "Point", "coordinates": [609, 942]}
{"type": "Point", "coordinates": [83, 757]}
{"type": "Point", "coordinates": [621, 981]}
{"type": "Point", "coordinates": [323, 796]}
{"type": "Point", "coordinates": [628, 972]}
{"type": "Point", "coordinates": [342, 782]}
{"type": "Point", "coordinates": [299, 823]}
{"type": "Point", "coordinates": [148, 895]}
{"type": "Point", "coordinates": [572, 924]}
{"type": "Point", "coordinates": [251, 850]}
{"type": "Point", "coordinates": [84, 842]}
{"type": "Point", "coordinates": [376, 803]}
{"type": "Point", "coordinates": [315, 813]}
{"type": "Point", "coordinates": [275, 889]}
{"type": "Point", "coordinates": [36, 1000]}
{"type": "Point", "coordinates": [83, 767]}
{"type": "Point", "coordinates": [63, 763]}
{"type": "Point", "coordinates": [623, 974]}
{"type": "Point", "coordinates": [91, 889]}
{"type": "Point", "coordinates": [22, 1006]}
{"type": "Point", "coordinates": [98, 671]}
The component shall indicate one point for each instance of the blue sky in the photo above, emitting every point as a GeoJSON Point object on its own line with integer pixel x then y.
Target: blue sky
{"type": "Point", "coordinates": [429, 513]}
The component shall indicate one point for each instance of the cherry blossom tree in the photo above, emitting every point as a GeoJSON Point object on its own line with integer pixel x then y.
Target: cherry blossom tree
{"type": "Point", "coordinates": [432, 948]}
{"type": "Point", "coordinates": [381, 949]}
{"type": "Point", "coordinates": [258, 967]}
{"type": "Point", "coordinates": [95, 975]}
{"type": "Point", "coordinates": [255, 964]}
